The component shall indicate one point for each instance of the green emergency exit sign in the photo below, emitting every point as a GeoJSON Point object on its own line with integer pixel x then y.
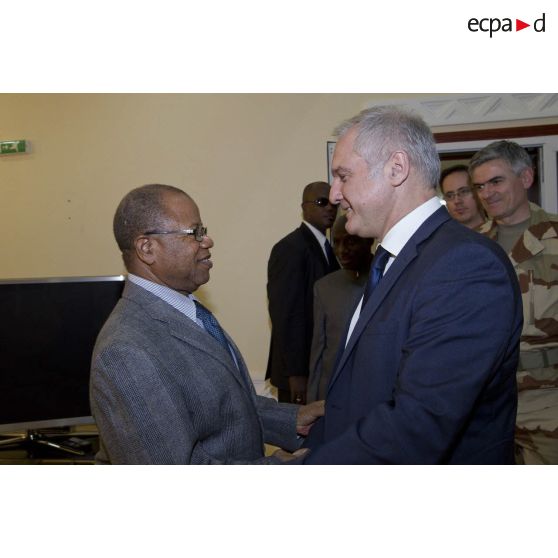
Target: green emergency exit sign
{"type": "Point", "coordinates": [13, 146]}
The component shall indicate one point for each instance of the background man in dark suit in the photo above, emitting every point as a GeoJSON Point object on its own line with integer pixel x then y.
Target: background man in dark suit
{"type": "Point", "coordinates": [428, 370]}
{"type": "Point", "coordinates": [335, 296]}
{"type": "Point", "coordinates": [168, 385]}
{"type": "Point", "coordinates": [296, 262]}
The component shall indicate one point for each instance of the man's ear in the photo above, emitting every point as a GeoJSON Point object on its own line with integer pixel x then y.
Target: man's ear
{"type": "Point", "coordinates": [397, 168]}
{"type": "Point", "coordinates": [144, 248]}
{"type": "Point", "coordinates": [527, 177]}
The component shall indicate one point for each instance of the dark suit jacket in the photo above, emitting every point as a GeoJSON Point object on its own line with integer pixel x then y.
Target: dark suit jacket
{"type": "Point", "coordinates": [428, 375]}
{"type": "Point", "coordinates": [296, 262]}
{"type": "Point", "coordinates": [163, 390]}
{"type": "Point", "coordinates": [335, 296]}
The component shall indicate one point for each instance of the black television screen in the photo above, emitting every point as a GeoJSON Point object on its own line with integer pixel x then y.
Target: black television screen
{"type": "Point", "coordinates": [48, 328]}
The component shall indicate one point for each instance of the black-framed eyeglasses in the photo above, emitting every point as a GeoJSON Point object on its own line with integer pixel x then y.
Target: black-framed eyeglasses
{"type": "Point", "coordinates": [320, 202]}
{"type": "Point", "coordinates": [199, 232]}
{"type": "Point", "coordinates": [461, 193]}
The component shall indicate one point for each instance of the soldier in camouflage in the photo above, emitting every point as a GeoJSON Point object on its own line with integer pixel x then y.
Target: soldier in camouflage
{"type": "Point", "coordinates": [502, 173]}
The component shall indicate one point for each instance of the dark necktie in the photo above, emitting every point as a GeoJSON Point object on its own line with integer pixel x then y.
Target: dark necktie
{"type": "Point", "coordinates": [379, 262]}
{"type": "Point", "coordinates": [210, 324]}
{"type": "Point", "coordinates": [332, 260]}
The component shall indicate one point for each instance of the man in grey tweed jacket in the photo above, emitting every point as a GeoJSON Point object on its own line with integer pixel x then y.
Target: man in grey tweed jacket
{"type": "Point", "coordinates": [167, 385]}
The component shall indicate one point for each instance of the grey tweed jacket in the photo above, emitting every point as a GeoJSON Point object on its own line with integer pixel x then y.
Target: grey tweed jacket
{"type": "Point", "coordinates": [165, 391]}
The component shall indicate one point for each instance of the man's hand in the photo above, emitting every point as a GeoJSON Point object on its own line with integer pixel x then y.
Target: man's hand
{"type": "Point", "coordinates": [297, 387]}
{"type": "Point", "coordinates": [285, 456]}
{"type": "Point", "coordinates": [307, 416]}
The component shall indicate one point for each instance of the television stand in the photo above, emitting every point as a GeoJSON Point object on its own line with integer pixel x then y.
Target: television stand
{"type": "Point", "coordinates": [49, 446]}
{"type": "Point", "coordinates": [11, 440]}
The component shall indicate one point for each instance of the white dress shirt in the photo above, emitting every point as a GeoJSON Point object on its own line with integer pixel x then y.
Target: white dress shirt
{"type": "Point", "coordinates": [395, 239]}
{"type": "Point", "coordinates": [320, 237]}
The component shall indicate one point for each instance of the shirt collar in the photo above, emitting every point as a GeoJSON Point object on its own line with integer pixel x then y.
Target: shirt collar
{"type": "Point", "coordinates": [320, 236]}
{"type": "Point", "coordinates": [182, 303]}
{"type": "Point", "coordinates": [396, 238]}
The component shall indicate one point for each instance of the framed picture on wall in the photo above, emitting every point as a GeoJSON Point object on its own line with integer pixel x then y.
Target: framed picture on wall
{"type": "Point", "coordinates": [330, 150]}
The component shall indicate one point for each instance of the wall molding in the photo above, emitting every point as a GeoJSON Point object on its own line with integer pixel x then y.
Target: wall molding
{"type": "Point", "coordinates": [497, 133]}
{"type": "Point", "coordinates": [482, 108]}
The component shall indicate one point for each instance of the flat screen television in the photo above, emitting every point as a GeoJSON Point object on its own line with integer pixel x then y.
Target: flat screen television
{"type": "Point", "coordinates": [48, 329]}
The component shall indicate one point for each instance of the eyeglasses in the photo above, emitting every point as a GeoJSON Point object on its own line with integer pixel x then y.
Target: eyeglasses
{"type": "Point", "coordinates": [320, 202]}
{"type": "Point", "coordinates": [199, 232]}
{"type": "Point", "coordinates": [461, 193]}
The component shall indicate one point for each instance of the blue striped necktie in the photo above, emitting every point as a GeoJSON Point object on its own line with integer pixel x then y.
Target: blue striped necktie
{"type": "Point", "coordinates": [379, 262]}
{"type": "Point", "coordinates": [210, 324]}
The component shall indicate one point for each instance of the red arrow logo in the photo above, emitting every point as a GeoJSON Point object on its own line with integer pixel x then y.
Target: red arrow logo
{"type": "Point", "coordinates": [519, 25]}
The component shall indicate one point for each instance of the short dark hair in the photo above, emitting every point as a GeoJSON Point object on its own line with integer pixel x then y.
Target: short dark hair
{"type": "Point", "coordinates": [140, 210]}
{"type": "Point", "coordinates": [450, 170]}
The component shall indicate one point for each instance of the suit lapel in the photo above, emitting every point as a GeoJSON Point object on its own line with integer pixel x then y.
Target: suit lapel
{"type": "Point", "coordinates": [314, 246]}
{"type": "Point", "coordinates": [399, 265]}
{"type": "Point", "coordinates": [189, 332]}
{"type": "Point", "coordinates": [380, 292]}
{"type": "Point", "coordinates": [183, 328]}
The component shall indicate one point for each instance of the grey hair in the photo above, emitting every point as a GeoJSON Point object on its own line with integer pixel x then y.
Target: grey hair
{"type": "Point", "coordinates": [141, 210]}
{"type": "Point", "coordinates": [508, 151]}
{"type": "Point", "coordinates": [385, 129]}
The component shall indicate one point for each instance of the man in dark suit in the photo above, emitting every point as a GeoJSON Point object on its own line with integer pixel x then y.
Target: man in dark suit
{"type": "Point", "coordinates": [296, 262]}
{"type": "Point", "coordinates": [427, 374]}
{"type": "Point", "coordinates": [168, 385]}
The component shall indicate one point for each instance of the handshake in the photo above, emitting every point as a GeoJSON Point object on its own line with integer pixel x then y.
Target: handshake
{"type": "Point", "coordinates": [306, 417]}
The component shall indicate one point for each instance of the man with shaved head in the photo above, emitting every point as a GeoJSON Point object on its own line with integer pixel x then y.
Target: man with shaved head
{"type": "Point", "coordinates": [296, 262]}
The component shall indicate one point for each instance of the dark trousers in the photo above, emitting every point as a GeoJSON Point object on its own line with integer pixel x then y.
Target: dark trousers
{"type": "Point", "coordinates": [284, 395]}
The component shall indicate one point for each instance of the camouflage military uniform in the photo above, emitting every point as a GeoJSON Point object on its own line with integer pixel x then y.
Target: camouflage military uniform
{"type": "Point", "coordinates": [535, 258]}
